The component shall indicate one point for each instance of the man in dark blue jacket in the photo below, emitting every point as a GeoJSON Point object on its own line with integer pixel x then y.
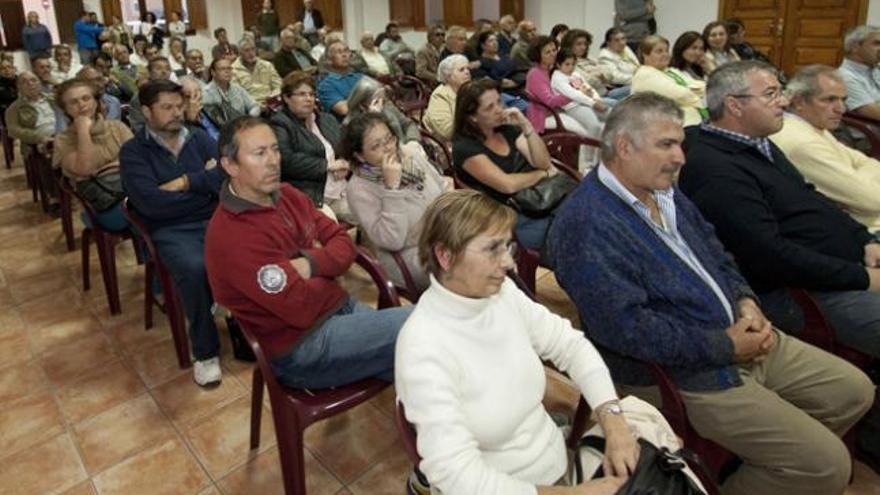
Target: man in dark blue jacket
{"type": "Point", "coordinates": [172, 180]}
{"type": "Point", "coordinates": [652, 283]}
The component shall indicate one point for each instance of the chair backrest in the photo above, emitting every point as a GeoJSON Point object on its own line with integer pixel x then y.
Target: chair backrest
{"type": "Point", "coordinates": [143, 234]}
{"type": "Point", "coordinates": [438, 151]}
{"type": "Point", "coordinates": [388, 297]}
{"type": "Point", "coordinates": [407, 434]}
{"type": "Point", "coordinates": [560, 127]}
{"type": "Point", "coordinates": [68, 187]}
{"type": "Point", "coordinates": [869, 128]}
{"type": "Point", "coordinates": [565, 146]}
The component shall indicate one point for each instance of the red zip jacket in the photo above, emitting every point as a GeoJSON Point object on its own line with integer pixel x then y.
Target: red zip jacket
{"type": "Point", "coordinates": [248, 249]}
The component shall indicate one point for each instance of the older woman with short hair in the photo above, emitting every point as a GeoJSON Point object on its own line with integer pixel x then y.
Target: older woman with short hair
{"type": "Point", "coordinates": [452, 72]}
{"type": "Point", "coordinates": [469, 371]}
{"type": "Point", "coordinates": [307, 138]}
{"type": "Point", "coordinates": [369, 95]}
{"type": "Point", "coordinates": [389, 191]}
{"type": "Point", "coordinates": [654, 75]}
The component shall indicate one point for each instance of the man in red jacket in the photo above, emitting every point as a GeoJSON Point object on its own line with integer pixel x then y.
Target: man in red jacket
{"type": "Point", "coordinates": [273, 259]}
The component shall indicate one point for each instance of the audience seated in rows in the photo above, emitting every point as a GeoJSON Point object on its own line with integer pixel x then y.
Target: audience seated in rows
{"type": "Point", "coordinates": [469, 371]}
{"type": "Point", "coordinates": [652, 283]}
{"type": "Point", "coordinates": [428, 56]}
{"type": "Point", "coordinates": [125, 71]}
{"type": "Point", "coordinates": [89, 147]}
{"type": "Point", "coordinates": [223, 48]}
{"type": "Point", "coordinates": [654, 76]}
{"type": "Point", "coordinates": [113, 87]}
{"type": "Point", "coordinates": [439, 117]}
{"type": "Point", "coordinates": [195, 66]}
{"type": "Point", "coordinates": [499, 68]}
{"type": "Point", "coordinates": [596, 75]}
{"type": "Point", "coordinates": [499, 152]}
{"type": "Point", "coordinates": [371, 61]}
{"type": "Point", "coordinates": [42, 68]}
{"type": "Point", "coordinates": [223, 98]}
{"type": "Point", "coordinates": [736, 32]}
{"type": "Point", "coordinates": [172, 180]}
{"type": "Point", "coordinates": [256, 76]}
{"type": "Point", "coordinates": [290, 57]}
{"type": "Point", "coordinates": [389, 191]}
{"type": "Point", "coordinates": [308, 137]}
{"type": "Point", "coordinates": [618, 59]}
{"type": "Point", "coordinates": [586, 106]}
{"type": "Point", "coordinates": [8, 85]}
{"type": "Point", "coordinates": [313, 331]}
{"type": "Point", "coordinates": [506, 36]}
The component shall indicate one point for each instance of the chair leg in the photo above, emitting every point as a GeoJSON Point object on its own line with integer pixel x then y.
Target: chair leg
{"type": "Point", "coordinates": [256, 407]}
{"type": "Point", "coordinates": [107, 255]}
{"type": "Point", "coordinates": [149, 299]}
{"type": "Point", "coordinates": [178, 323]}
{"type": "Point", "coordinates": [67, 219]}
{"type": "Point", "coordinates": [290, 454]}
{"type": "Point", "coordinates": [86, 240]}
{"type": "Point", "coordinates": [8, 152]}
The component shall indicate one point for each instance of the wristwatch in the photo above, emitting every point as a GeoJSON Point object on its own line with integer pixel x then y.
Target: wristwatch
{"type": "Point", "coordinates": [610, 407]}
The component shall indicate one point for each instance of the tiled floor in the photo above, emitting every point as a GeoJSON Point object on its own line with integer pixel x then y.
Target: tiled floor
{"type": "Point", "coordinates": [91, 403]}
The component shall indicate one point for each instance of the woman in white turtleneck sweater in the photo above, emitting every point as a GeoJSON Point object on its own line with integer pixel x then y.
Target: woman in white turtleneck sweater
{"type": "Point", "coordinates": [468, 366]}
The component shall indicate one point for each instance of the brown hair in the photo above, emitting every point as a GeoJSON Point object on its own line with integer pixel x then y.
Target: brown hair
{"type": "Point", "coordinates": [294, 80]}
{"type": "Point", "coordinates": [76, 83]}
{"type": "Point", "coordinates": [647, 45]}
{"type": "Point", "coordinates": [454, 219]}
{"type": "Point", "coordinates": [467, 102]}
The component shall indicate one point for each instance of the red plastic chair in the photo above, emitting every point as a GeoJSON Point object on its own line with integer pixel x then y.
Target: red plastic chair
{"type": "Point", "coordinates": [410, 94]}
{"type": "Point", "coordinates": [293, 410]}
{"type": "Point", "coordinates": [565, 146]}
{"type": "Point", "coordinates": [171, 305]}
{"type": "Point", "coordinates": [105, 241]}
{"type": "Point", "coordinates": [559, 126]}
{"type": "Point", "coordinates": [439, 152]}
{"type": "Point", "coordinates": [33, 163]}
{"type": "Point", "coordinates": [66, 202]}
{"type": "Point", "coordinates": [869, 127]}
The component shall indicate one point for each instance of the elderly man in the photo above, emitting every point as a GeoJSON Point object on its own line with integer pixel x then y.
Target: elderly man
{"type": "Point", "coordinates": [194, 63]}
{"type": "Point", "coordinates": [371, 61]}
{"type": "Point", "coordinates": [506, 36]}
{"type": "Point", "coordinates": [104, 63]}
{"type": "Point", "coordinates": [282, 283]}
{"type": "Point", "coordinates": [846, 176]}
{"type": "Point", "coordinates": [257, 76]}
{"type": "Point", "coordinates": [35, 37]}
{"type": "Point", "coordinates": [781, 231]}
{"type": "Point", "coordinates": [333, 90]}
{"type": "Point", "coordinates": [526, 32]}
{"type": "Point", "coordinates": [31, 120]}
{"type": "Point", "coordinates": [42, 66]}
{"type": "Point", "coordinates": [859, 71]}
{"type": "Point", "coordinates": [171, 176]}
{"type": "Point", "coordinates": [393, 45]}
{"type": "Point", "coordinates": [653, 284]}
{"type": "Point", "coordinates": [428, 56]}
{"type": "Point", "coordinates": [224, 99]}
{"type": "Point", "coordinates": [291, 57]}
{"type": "Point", "coordinates": [194, 114]}
{"type": "Point", "coordinates": [125, 72]}
{"type": "Point", "coordinates": [312, 21]}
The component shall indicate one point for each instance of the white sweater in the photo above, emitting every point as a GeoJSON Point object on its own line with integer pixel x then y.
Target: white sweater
{"type": "Point", "coordinates": [565, 85]}
{"type": "Point", "coordinates": [469, 373]}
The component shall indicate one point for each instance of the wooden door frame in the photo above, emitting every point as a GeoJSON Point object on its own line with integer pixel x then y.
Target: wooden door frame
{"type": "Point", "coordinates": [863, 10]}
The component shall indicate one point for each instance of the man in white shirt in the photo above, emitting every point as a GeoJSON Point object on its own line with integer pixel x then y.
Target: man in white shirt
{"type": "Point", "coordinates": [859, 71]}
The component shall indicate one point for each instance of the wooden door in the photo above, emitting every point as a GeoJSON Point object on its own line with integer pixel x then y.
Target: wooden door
{"type": "Point", "coordinates": [249, 11]}
{"type": "Point", "coordinates": [66, 13]}
{"type": "Point", "coordinates": [512, 7]}
{"type": "Point", "coordinates": [12, 16]}
{"type": "Point", "coordinates": [458, 12]}
{"type": "Point", "coordinates": [110, 9]}
{"type": "Point", "coordinates": [763, 22]}
{"type": "Point", "coordinates": [814, 31]}
{"type": "Point", "coordinates": [407, 13]}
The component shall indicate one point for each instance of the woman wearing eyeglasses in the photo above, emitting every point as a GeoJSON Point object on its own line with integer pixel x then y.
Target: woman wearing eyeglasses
{"type": "Point", "coordinates": [390, 189]}
{"type": "Point", "coordinates": [307, 138]}
{"type": "Point", "coordinates": [468, 366]}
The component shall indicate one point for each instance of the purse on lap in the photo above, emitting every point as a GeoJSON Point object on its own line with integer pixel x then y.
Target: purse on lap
{"type": "Point", "coordinates": [542, 199]}
{"type": "Point", "coordinates": [103, 190]}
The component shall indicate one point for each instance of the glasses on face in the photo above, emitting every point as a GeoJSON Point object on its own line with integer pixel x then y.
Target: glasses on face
{"type": "Point", "coordinates": [440, 34]}
{"type": "Point", "coordinates": [304, 94]}
{"type": "Point", "coordinates": [769, 96]}
{"type": "Point", "coordinates": [382, 143]}
{"type": "Point", "coordinates": [496, 251]}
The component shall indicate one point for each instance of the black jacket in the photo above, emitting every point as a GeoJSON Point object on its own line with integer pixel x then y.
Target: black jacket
{"type": "Point", "coordinates": [285, 62]}
{"type": "Point", "coordinates": [303, 159]}
{"type": "Point", "coordinates": [781, 231]}
{"type": "Point", "coordinates": [316, 16]}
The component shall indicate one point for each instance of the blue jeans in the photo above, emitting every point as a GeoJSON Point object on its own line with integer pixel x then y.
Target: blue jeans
{"type": "Point", "coordinates": [512, 101]}
{"type": "Point", "coordinates": [181, 249]}
{"type": "Point", "coordinates": [855, 317]}
{"type": "Point", "coordinates": [112, 219]}
{"type": "Point", "coordinates": [357, 342]}
{"type": "Point", "coordinates": [619, 93]}
{"type": "Point", "coordinates": [530, 232]}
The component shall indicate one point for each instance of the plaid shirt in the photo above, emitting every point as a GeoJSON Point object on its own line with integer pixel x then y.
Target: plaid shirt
{"type": "Point", "coordinates": [762, 144]}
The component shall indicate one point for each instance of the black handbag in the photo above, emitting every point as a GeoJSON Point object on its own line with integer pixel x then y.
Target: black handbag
{"type": "Point", "coordinates": [659, 472]}
{"type": "Point", "coordinates": [103, 190]}
{"type": "Point", "coordinates": [542, 199]}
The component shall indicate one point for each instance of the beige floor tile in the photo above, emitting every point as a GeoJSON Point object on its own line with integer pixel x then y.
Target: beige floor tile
{"type": "Point", "coordinates": [20, 380]}
{"type": "Point", "coordinates": [40, 285]}
{"type": "Point", "coordinates": [84, 488]}
{"type": "Point", "coordinates": [60, 307]}
{"type": "Point", "coordinates": [50, 467]}
{"type": "Point", "coordinates": [98, 391]}
{"type": "Point", "coordinates": [166, 469]}
{"type": "Point", "coordinates": [28, 422]}
{"type": "Point", "coordinates": [185, 402]}
{"type": "Point", "coordinates": [263, 475]}
{"type": "Point", "coordinates": [14, 348]}
{"type": "Point", "coordinates": [114, 435]}
{"type": "Point", "coordinates": [211, 490]}
{"type": "Point", "coordinates": [222, 440]}
{"type": "Point", "coordinates": [65, 363]}
{"type": "Point", "coordinates": [385, 402]}
{"type": "Point", "coordinates": [349, 443]}
{"type": "Point", "coordinates": [6, 299]}
{"type": "Point", "coordinates": [387, 477]}
{"type": "Point", "coordinates": [64, 334]}
{"type": "Point", "coordinates": [10, 322]}
{"type": "Point", "coordinates": [131, 334]}
{"type": "Point", "coordinates": [156, 363]}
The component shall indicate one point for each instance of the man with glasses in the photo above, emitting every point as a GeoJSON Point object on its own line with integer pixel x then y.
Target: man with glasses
{"type": "Point", "coordinates": [282, 282]}
{"type": "Point", "coordinates": [428, 56]}
{"type": "Point", "coordinates": [653, 283]}
{"type": "Point", "coordinates": [782, 232]}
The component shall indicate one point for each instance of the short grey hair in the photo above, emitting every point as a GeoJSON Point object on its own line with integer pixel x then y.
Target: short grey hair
{"type": "Point", "coordinates": [361, 94]}
{"type": "Point", "coordinates": [805, 83]}
{"type": "Point", "coordinates": [454, 31]}
{"type": "Point", "coordinates": [633, 116]}
{"type": "Point", "coordinates": [731, 79]}
{"type": "Point", "coordinates": [857, 35]}
{"type": "Point", "coordinates": [447, 65]}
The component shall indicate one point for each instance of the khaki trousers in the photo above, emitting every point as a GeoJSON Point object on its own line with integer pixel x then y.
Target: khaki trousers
{"type": "Point", "coordinates": [786, 420]}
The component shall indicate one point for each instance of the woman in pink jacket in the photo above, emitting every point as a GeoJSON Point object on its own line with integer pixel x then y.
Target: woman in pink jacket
{"type": "Point", "coordinates": [542, 51]}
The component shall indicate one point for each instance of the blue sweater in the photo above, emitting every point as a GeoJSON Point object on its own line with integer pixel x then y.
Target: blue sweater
{"type": "Point", "coordinates": [145, 165]}
{"type": "Point", "coordinates": [87, 34]}
{"type": "Point", "coordinates": [637, 298]}
{"type": "Point", "coordinates": [36, 39]}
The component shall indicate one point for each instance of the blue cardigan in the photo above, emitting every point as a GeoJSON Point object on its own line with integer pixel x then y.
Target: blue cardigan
{"type": "Point", "coordinates": [637, 298]}
{"type": "Point", "coordinates": [145, 165]}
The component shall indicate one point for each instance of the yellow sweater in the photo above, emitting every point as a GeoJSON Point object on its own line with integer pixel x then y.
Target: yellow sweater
{"type": "Point", "coordinates": [844, 175]}
{"type": "Point", "coordinates": [649, 78]}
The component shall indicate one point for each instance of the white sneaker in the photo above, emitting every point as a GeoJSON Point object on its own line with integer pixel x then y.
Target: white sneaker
{"type": "Point", "coordinates": [207, 373]}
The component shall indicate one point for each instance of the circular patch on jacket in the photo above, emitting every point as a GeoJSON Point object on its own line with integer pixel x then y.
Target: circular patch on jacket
{"type": "Point", "coordinates": [272, 279]}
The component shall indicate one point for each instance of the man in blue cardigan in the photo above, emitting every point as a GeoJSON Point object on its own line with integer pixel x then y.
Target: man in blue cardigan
{"type": "Point", "coordinates": [172, 180]}
{"type": "Point", "coordinates": [653, 283]}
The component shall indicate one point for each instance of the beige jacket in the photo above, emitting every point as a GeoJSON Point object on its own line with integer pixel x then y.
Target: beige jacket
{"type": "Point", "coordinates": [263, 83]}
{"type": "Point", "coordinates": [649, 78]}
{"type": "Point", "coordinates": [440, 114]}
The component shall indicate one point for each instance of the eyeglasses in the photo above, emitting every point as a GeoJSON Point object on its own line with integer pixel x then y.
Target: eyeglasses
{"type": "Point", "coordinates": [303, 94]}
{"type": "Point", "coordinates": [770, 96]}
{"type": "Point", "coordinates": [439, 33]}
{"type": "Point", "coordinates": [496, 252]}
{"type": "Point", "coordinates": [378, 145]}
